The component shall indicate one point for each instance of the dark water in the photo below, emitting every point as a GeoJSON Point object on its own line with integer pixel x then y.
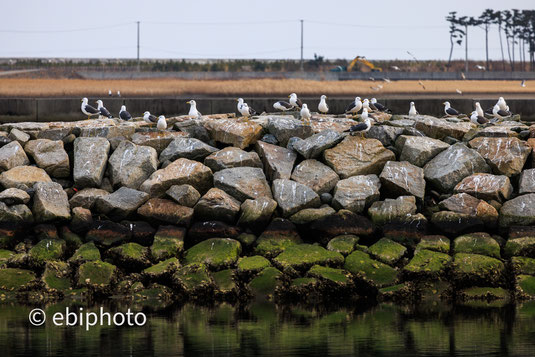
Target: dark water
{"type": "Point", "coordinates": [265, 329]}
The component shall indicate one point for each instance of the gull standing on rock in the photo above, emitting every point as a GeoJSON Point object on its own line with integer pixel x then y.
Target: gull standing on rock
{"type": "Point", "coordinates": [88, 109]}
{"type": "Point", "coordinates": [499, 113]}
{"type": "Point", "coordinates": [244, 108]}
{"type": "Point", "coordinates": [305, 114]}
{"type": "Point", "coordinates": [296, 102]}
{"type": "Point", "coordinates": [412, 110]}
{"type": "Point", "coordinates": [323, 107]}
{"type": "Point", "coordinates": [479, 110]}
{"type": "Point", "coordinates": [354, 107]}
{"type": "Point", "coordinates": [103, 111]}
{"type": "Point", "coordinates": [375, 105]}
{"type": "Point", "coordinates": [282, 105]}
{"type": "Point", "coordinates": [449, 110]}
{"type": "Point", "coordinates": [478, 119]}
{"type": "Point", "coordinates": [366, 104]}
{"type": "Point", "coordinates": [193, 112]}
{"type": "Point", "coordinates": [502, 104]}
{"type": "Point", "coordinates": [149, 118]}
{"type": "Point", "coordinates": [362, 128]}
{"type": "Point", "coordinates": [123, 114]}
{"type": "Point", "coordinates": [162, 124]}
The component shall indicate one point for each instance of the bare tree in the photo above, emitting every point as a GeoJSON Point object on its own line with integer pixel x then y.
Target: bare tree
{"type": "Point", "coordinates": [486, 19]}
{"type": "Point", "coordinates": [456, 34]}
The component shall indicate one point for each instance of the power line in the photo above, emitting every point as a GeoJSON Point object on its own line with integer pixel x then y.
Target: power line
{"type": "Point", "coordinates": [226, 23]}
{"type": "Point", "coordinates": [217, 55]}
{"type": "Point", "coordinates": [375, 26]}
{"type": "Point", "coordinates": [71, 30]}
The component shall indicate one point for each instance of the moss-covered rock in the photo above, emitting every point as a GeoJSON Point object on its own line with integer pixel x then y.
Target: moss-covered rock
{"type": "Point", "coordinates": [344, 244]}
{"type": "Point", "coordinates": [153, 295]}
{"type": "Point", "coordinates": [387, 251]}
{"type": "Point", "coordinates": [520, 247]}
{"type": "Point", "coordinates": [12, 279]}
{"type": "Point", "coordinates": [398, 292]}
{"type": "Point", "coordinates": [484, 293]}
{"type": "Point", "coordinates": [87, 252]}
{"type": "Point", "coordinates": [47, 249]}
{"type": "Point", "coordinates": [265, 283]}
{"type": "Point", "coordinates": [427, 264]}
{"type": "Point", "coordinates": [332, 275]}
{"type": "Point", "coordinates": [130, 256]}
{"type": "Point", "coordinates": [523, 265]}
{"type": "Point", "coordinates": [378, 274]}
{"type": "Point", "coordinates": [477, 243]}
{"type": "Point", "coordinates": [525, 286]}
{"type": "Point", "coordinates": [163, 270]}
{"type": "Point", "coordinates": [298, 258]}
{"type": "Point", "coordinates": [97, 275]}
{"type": "Point", "coordinates": [5, 255]}
{"type": "Point", "coordinates": [73, 240]}
{"type": "Point", "coordinates": [248, 266]}
{"type": "Point", "coordinates": [304, 283]}
{"type": "Point", "coordinates": [195, 281]}
{"type": "Point", "coordinates": [215, 253]}
{"type": "Point", "coordinates": [436, 243]}
{"type": "Point", "coordinates": [56, 277]}
{"type": "Point", "coordinates": [476, 269]}
{"type": "Point", "coordinates": [246, 239]}
{"type": "Point", "coordinates": [168, 242]}
{"type": "Point", "coordinates": [225, 286]}
{"type": "Point", "coordinates": [278, 236]}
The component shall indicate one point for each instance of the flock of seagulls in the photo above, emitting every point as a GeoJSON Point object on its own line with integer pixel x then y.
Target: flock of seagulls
{"type": "Point", "coordinates": [366, 107]}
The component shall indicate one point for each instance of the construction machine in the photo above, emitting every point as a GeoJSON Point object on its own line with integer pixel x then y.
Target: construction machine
{"type": "Point", "coordinates": [358, 59]}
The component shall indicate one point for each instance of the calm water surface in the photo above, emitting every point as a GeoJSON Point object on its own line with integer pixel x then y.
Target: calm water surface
{"type": "Point", "coordinates": [264, 329]}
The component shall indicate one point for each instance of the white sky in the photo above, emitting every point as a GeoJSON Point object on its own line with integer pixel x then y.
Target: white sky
{"type": "Point", "coordinates": [242, 29]}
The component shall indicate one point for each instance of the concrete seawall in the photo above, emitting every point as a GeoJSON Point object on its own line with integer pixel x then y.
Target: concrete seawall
{"type": "Point", "coordinates": [68, 109]}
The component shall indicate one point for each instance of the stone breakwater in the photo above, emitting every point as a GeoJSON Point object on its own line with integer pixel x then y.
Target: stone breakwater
{"type": "Point", "coordinates": [220, 208]}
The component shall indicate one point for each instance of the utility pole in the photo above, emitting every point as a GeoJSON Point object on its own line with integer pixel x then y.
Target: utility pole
{"type": "Point", "coordinates": [138, 46]}
{"type": "Point", "coordinates": [466, 49]}
{"type": "Point", "coordinates": [302, 68]}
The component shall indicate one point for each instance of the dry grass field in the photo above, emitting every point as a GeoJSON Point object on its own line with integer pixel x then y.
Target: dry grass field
{"type": "Point", "coordinates": [28, 87]}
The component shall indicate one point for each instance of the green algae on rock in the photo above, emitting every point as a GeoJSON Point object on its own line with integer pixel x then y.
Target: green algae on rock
{"type": "Point", "coordinates": [86, 252]}
{"type": "Point", "coordinates": [427, 264]}
{"type": "Point", "coordinates": [56, 276]}
{"type": "Point", "coordinates": [97, 275]}
{"type": "Point", "coordinates": [252, 265]}
{"type": "Point", "coordinates": [265, 283]}
{"type": "Point", "coordinates": [477, 243]}
{"type": "Point", "coordinates": [195, 281]}
{"type": "Point", "coordinates": [168, 242]}
{"type": "Point", "coordinates": [361, 265]}
{"type": "Point", "coordinates": [12, 279]}
{"type": "Point", "coordinates": [216, 253]}
{"type": "Point", "coordinates": [477, 269]}
{"type": "Point", "coordinates": [523, 265]}
{"type": "Point", "coordinates": [435, 242]}
{"type": "Point", "coordinates": [130, 255]}
{"type": "Point", "coordinates": [344, 244]}
{"type": "Point", "coordinates": [387, 251]}
{"type": "Point", "coordinates": [520, 247]}
{"type": "Point", "coordinates": [162, 270]}
{"type": "Point", "coordinates": [47, 249]}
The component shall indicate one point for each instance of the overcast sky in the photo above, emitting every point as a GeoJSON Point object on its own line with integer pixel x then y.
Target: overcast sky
{"type": "Point", "coordinates": [242, 28]}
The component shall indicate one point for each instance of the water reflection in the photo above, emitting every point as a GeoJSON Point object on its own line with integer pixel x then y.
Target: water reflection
{"type": "Point", "coordinates": [267, 329]}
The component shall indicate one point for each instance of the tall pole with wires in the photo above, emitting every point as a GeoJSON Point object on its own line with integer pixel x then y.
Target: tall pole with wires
{"type": "Point", "coordinates": [138, 69]}
{"type": "Point", "coordinates": [302, 68]}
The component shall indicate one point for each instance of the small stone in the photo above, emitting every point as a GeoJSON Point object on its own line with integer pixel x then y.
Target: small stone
{"type": "Point", "coordinates": [344, 244]}
{"type": "Point", "coordinates": [506, 156]}
{"type": "Point", "coordinates": [184, 195]}
{"type": "Point", "coordinates": [107, 233]}
{"type": "Point", "coordinates": [285, 127]}
{"type": "Point", "coordinates": [427, 264]}
{"type": "Point", "coordinates": [418, 150]}
{"type": "Point", "coordinates": [518, 211]}
{"type": "Point", "coordinates": [243, 183]}
{"type": "Point", "coordinates": [309, 215]}
{"type": "Point", "coordinates": [387, 251]}
{"type": "Point", "coordinates": [526, 183]}
{"type": "Point", "coordinates": [256, 214]}
{"type": "Point", "coordinates": [168, 242]}
{"type": "Point", "coordinates": [270, 139]}
{"type": "Point", "coordinates": [326, 198]}
{"type": "Point", "coordinates": [18, 135]}
{"type": "Point", "coordinates": [120, 204]}
{"type": "Point", "coordinates": [189, 148]}
{"type": "Point", "coordinates": [389, 210]}
{"type": "Point", "coordinates": [372, 271]}
{"type": "Point", "coordinates": [15, 214]}
{"type": "Point", "coordinates": [12, 155]}
{"type": "Point", "coordinates": [87, 197]}
{"type": "Point", "coordinates": [82, 219]}
{"type": "Point", "coordinates": [216, 253]}
{"type": "Point", "coordinates": [230, 157]}
{"type": "Point", "coordinates": [157, 140]}
{"type": "Point", "coordinates": [340, 223]}
{"type": "Point", "coordinates": [233, 132]}
{"type": "Point", "coordinates": [279, 235]}
{"type": "Point", "coordinates": [130, 165]}
{"type": "Point", "coordinates": [13, 196]}
{"type": "Point", "coordinates": [313, 146]}
{"type": "Point", "coordinates": [477, 243]}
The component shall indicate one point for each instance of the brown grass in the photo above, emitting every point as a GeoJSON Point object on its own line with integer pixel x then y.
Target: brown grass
{"type": "Point", "coordinates": [26, 87]}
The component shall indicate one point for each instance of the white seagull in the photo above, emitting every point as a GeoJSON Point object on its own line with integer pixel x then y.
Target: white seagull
{"type": "Point", "coordinates": [149, 118]}
{"type": "Point", "coordinates": [449, 110]}
{"type": "Point", "coordinates": [499, 113]}
{"type": "Point", "coordinates": [354, 107]}
{"type": "Point", "coordinates": [412, 110]}
{"type": "Point", "coordinates": [375, 105]}
{"type": "Point", "coordinates": [162, 124]}
{"type": "Point", "coordinates": [244, 108]}
{"type": "Point", "coordinates": [477, 119]}
{"type": "Point", "coordinates": [479, 110]}
{"type": "Point", "coordinates": [501, 103]}
{"type": "Point", "coordinates": [305, 114]}
{"type": "Point", "coordinates": [323, 107]}
{"type": "Point", "coordinates": [282, 105]}
{"type": "Point", "coordinates": [366, 104]}
{"type": "Point", "coordinates": [88, 109]}
{"type": "Point", "coordinates": [193, 112]}
{"type": "Point", "coordinates": [103, 111]}
{"type": "Point", "coordinates": [296, 102]}
{"type": "Point", "coordinates": [362, 128]}
{"type": "Point", "coordinates": [123, 114]}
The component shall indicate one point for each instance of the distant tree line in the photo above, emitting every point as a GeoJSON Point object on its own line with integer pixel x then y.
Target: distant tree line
{"type": "Point", "coordinates": [516, 26]}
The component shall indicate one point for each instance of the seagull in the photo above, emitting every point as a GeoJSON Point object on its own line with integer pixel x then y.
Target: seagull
{"type": "Point", "coordinates": [366, 104]}
{"type": "Point", "coordinates": [123, 114]}
{"type": "Point", "coordinates": [421, 83]}
{"type": "Point", "coordinates": [523, 83]}
{"type": "Point", "coordinates": [463, 76]}
{"type": "Point", "coordinates": [412, 110]}
{"type": "Point", "coordinates": [162, 124]}
{"type": "Point", "coordinates": [479, 110]}
{"type": "Point", "coordinates": [499, 113]}
{"type": "Point", "coordinates": [88, 109]}
{"type": "Point", "coordinates": [149, 118]}
{"type": "Point", "coordinates": [103, 111]}
{"type": "Point", "coordinates": [481, 68]}
{"type": "Point", "coordinates": [477, 119]}
{"type": "Point", "coordinates": [354, 107]}
{"type": "Point", "coordinates": [501, 103]}
{"type": "Point", "coordinates": [378, 106]}
{"type": "Point", "coordinates": [361, 128]}
{"type": "Point", "coordinates": [395, 68]}
{"type": "Point", "coordinates": [305, 114]}
{"type": "Point", "coordinates": [459, 91]}
{"type": "Point", "coordinates": [387, 80]}
{"type": "Point", "coordinates": [193, 112]}
{"type": "Point", "coordinates": [449, 110]}
{"type": "Point", "coordinates": [282, 106]}
{"type": "Point", "coordinates": [118, 93]}
{"type": "Point", "coordinates": [323, 107]}
{"type": "Point", "coordinates": [296, 102]}
{"type": "Point", "coordinates": [244, 108]}
{"type": "Point", "coordinates": [109, 93]}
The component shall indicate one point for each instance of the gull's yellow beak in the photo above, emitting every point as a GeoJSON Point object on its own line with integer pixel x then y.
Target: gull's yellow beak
{"type": "Point", "coordinates": [289, 96]}
{"type": "Point", "coordinates": [188, 102]}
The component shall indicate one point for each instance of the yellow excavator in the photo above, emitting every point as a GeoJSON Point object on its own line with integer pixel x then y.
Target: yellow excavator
{"type": "Point", "coordinates": [358, 59]}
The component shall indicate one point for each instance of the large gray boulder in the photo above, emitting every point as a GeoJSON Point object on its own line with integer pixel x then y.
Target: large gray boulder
{"type": "Point", "coordinates": [121, 203]}
{"type": "Point", "coordinates": [256, 214]}
{"type": "Point", "coordinates": [217, 205]}
{"type": "Point", "coordinates": [292, 196]}
{"type": "Point", "coordinates": [12, 155]}
{"type": "Point", "coordinates": [230, 157]}
{"type": "Point", "coordinates": [23, 177]}
{"type": "Point", "coordinates": [50, 202]}
{"type": "Point", "coordinates": [519, 211]}
{"type": "Point", "coordinates": [90, 158]}
{"type": "Point", "coordinates": [18, 213]}
{"type": "Point", "coordinates": [243, 183]}
{"type": "Point", "coordinates": [382, 212]}
{"type": "Point", "coordinates": [13, 196]}
{"type": "Point", "coordinates": [313, 146]}
{"type": "Point", "coordinates": [526, 184]}
{"type": "Point", "coordinates": [50, 156]}
{"type": "Point", "coordinates": [506, 156]}
{"type": "Point", "coordinates": [449, 167]}
{"type": "Point", "coordinates": [440, 128]}
{"type": "Point", "coordinates": [278, 161]}
{"type": "Point", "coordinates": [356, 193]}
{"type": "Point", "coordinates": [184, 195]}
{"type": "Point", "coordinates": [319, 177]}
{"type": "Point", "coordinates": [157, 140]}
{"type": "Point", "coordinates": [418, 150]}
{"type": "Point", "coordinates": [87, 197]}
{"type": "Point", "coordinates": [486, 187]}
{"type": "Point", "coordinates": [285, 127]}
{"type": "Point", "coordinates": [130, 164]}
{"type": "Point", "coordinates": [403, 178]}
{"type": "Point", "coordinates": [189, 148]}
{"type": "Point", "coordinates": [179, 172]}
{"type": "Point", "coordinates": [386, 134]}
